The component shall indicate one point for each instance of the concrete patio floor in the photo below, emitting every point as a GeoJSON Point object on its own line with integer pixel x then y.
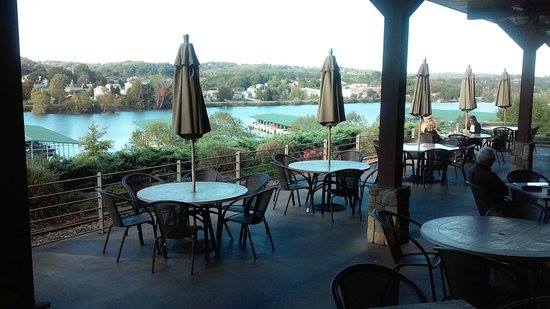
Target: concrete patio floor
{"type": "Point", "coordinates": [309, 252]}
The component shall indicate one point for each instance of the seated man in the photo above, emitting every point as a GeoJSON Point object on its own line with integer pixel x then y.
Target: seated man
{"type": "Point", "coordinates": [482, 176]}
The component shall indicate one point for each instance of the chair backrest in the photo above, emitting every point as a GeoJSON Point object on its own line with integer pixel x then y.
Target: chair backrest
{"type": "Point", "coordinates": [525, 207]}
{"type": "Point", "coordinates": [437, 158]}
{"type": "Point", "coordinates": [173, 218]}
{"type": "Point", "coordinates": [350, 155]}
{"type": "Point", "coordinates": [109, 202]}
{"type": "Point", "coordinates": [427, 137]}
{"type": "Point", "coordinates": [345, 182]}
{"type": "Point", "coordinates": [258, 204]}
{"type": "Point", "coordinates": [501, 138]}
{"type": "Point", "coordinates": [459, 140]}
{"type": "Point", "coordinates": [205, 174]}
{"type": "Point", "coordinates": [480, 197]}
{"type": "Point", "coordinates": [283, 159]}
{"type": "Point", "coordinates": [468, 276]}
{"type": "Point", "coordinates": [254, 183]}
{"type": "Point", "coordinates": [136, 181]}
{"type": "Point", "coordinates": [389, 223]}
{"type": "Point", "coordinates": [525, 176]}
{"type": "Point", "coordinates": [370, 285]}
{"type": "Point", "coordinates": [535, 302]}
{"type": "Point", "coordinates": [503, 132]}
{"type": "Point", "coordinates": [284, 175]}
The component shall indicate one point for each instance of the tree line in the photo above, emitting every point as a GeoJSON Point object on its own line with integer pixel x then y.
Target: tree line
{"type": "Point", "coordinates": [45, 84]}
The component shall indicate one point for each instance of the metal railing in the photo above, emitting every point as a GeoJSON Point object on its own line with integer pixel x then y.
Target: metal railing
{"type": "Point", "coordinates": [71, 207]}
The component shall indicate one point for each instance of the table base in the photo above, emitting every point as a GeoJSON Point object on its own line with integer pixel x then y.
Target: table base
{"type": "Point", "coordinates": [184, 246]}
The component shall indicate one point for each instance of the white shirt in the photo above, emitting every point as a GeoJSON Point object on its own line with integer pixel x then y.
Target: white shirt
{"type": "Point", "coordinates": [472, 128]}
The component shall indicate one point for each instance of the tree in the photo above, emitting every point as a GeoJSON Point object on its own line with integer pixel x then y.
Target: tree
{"type": "Point", "coordinates": [38, 73]}
{"type": "Point", "coordinates": [306, 123]}
{"type": "Point", "coordinates": [56, 87]}
{"type": "Point", "coordinates": [225, 93]}
{"type": "Point", "coordinates": [39, 101]}
{"type": "Point", "coordinates": [27, 86]}
{"type": "Point", "coordinates": [140, 95]}
{"type": "Point", "coordinates": [94, 143]}
{"type": "Point", "coordinates": [108, 102]}
{"type": "Point", "coordinates": [81, 69]}
{"type": "Point", "coordinates": [81, 103]}
{"type": "Point", "coordinates": [83, 79]}
{"type": "Point", "coordinates": [156, 135]}
{"type": "Point", "coordinates": [26, 66]}
{"type": "Point", "coordinates": [161, 90]}
{"type": "Point", "coordinates": [59, 70]}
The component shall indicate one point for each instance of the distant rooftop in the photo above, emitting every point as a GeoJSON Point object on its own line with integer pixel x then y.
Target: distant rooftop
{"type": "Point", "coordinates": [281, 119]}
{"type": "Point", "coordinates": [41, 134]}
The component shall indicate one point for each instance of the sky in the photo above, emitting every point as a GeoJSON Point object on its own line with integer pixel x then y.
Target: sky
{"type": "Point", "coordinates": [291, 32]}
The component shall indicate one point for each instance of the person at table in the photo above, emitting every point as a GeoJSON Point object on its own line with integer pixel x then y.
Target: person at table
{"type": "Point", "coordinates": [431, 129]}
{"type": "Point", "coordinates": [475, 127]}
{"type": "Point", "coordinates": [482, 176]}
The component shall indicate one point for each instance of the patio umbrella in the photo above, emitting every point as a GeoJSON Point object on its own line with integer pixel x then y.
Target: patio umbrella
{"type": "Point", "coordinates": [504, 93]}
{"type": "Point", "coordinates": [421, 99]}
{"type": "Point", "coordinates": [331, 102]}
{"type": "Point", "coordinates": [467, 101]}
{"type": "Point", "coordinates": [189, 117]}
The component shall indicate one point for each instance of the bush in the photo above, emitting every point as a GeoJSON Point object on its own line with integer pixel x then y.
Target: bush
{"type": "Point", "coordinates": [265, 150]}
{"type": "Point", "coordinates": [37, 174]}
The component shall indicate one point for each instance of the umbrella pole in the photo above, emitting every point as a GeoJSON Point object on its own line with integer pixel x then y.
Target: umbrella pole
{"type": "Point", "coordinates": [466, 121]}
{"type": "Point", "coordinates": [193, 166]}
{"type": "Point", "coordinates": [505, 116]}
{"type": "Point", "coordinates": [329, 142]}
{"type": "Point", "coordinates": [419, 129]}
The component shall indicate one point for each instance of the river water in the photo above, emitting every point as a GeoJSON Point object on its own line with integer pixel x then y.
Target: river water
{"type": "Point", "coordinates": [119, 126]}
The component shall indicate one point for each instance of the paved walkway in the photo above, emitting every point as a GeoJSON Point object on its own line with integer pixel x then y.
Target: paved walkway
{"type": "Point", "coordinates": [309, 252]}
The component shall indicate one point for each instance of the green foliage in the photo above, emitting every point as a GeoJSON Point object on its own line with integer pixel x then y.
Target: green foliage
{"type": "Point", "coordinates": [27, 87]}
{"type": "Point", "coordinates": [225, 93]}
{"type": "Point", "coordinates": [305, 123]}
{"type": "Point", "coordinates": [39, 101]}
{"type": "Point", "coordinates": [52, 71]}
{"type": "Point", "coordinates": [540, 113]}
{"type": "Point", "coordinates": [265, 150]}
{"type": "Point", "coordinates": [93, 143]}
{"type": "Point", "coordinates": [140, 95]}
{"type": "Point", "coordinates": [108, 102]}
{"type": "Point", "coordinates": [56, 87]}
{"type": "Point", "coordinates": [37, 174]}
{"type": "Point", "coordinates": [81, 103]}
{"type": "Point", "coordinates": [157, 135]}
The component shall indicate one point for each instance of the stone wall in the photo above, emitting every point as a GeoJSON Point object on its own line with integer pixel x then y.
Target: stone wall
{"type": "Point", "coordinates": [392, 199]}
{"type": "Point", "coordinates": [522, 155]}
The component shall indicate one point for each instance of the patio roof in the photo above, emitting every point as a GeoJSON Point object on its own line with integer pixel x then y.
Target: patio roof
{"type": "Point", "coordinates": [281, 119]}
{"type": "Point", "coordinates": [520, 17]}
{"type": "Point", "coordinates": [41, 134]}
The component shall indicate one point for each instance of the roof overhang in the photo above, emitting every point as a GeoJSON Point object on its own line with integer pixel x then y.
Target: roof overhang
{"type": "Point", "coordinates": [521, 17]}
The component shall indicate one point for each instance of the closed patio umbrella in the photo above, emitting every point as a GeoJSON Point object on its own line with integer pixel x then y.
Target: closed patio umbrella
{"type": "Point", "coordinates": [467, 101]}
{"type": "Point", "coordinates": [189, 116]}
{"type": "Point", "coordinates": [421, 99]}
{"type": "Point", "coordinates": [331, 102]}
{"type": "Point", "coordinates": [504, 93]}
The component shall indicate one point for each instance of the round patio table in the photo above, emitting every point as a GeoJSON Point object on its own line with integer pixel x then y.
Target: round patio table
{"type": "Point", "coordinates": [316, 167]}
{"type": "Point", "coordinates": [415, 148]}
{"type": "Point", "coordinates": [208, 194]}
{"type": "Point", "coordinates": [495, 237]}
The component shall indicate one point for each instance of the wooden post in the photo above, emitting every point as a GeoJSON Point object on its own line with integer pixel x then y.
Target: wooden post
{"type": "Point", "coordinates": [358, 142]}
{"type": "Point", "coordinates": [101, 217]}
{"type": "Point", "coordinates": [178, 171]}
{"type": "Point", "coordinates": [287, 150]}
{"type": "Point", "coordinates": [526, 93]}
{"type": "Point", "coordinates": [238, 164]}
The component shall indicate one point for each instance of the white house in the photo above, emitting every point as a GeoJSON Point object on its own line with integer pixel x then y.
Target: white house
{"type": "Point", "coordinates": [100, 90]}
{"type": "Point", "coordinates": [310, 92]}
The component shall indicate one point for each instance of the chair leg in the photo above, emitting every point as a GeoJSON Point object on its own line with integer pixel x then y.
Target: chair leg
{"type": "Point", "coordinates": [288, 202]}
{"type": "Point", "coordinates": [276, 198]}
{"type": "Point", "coordinates": [293, 200]}
{"type": "Point", "coordinates": [268, 231]}
{"type": "Point", "coordinates": [140, 235]}
{"type": "Point", "coordinates": [241, 234]}
{"type": "Point", "coordinates": [298, 196]}
{"type": "Point", "coordinates": [443, 280]}
{"type": "Point", "coordinates": [154, 255]}
{"type": "Point", "coordinates": [155, 235]}
{"type": "Point", "coordinates": [107, 239]}
{"type": "Point", "coordinates": [206, 244]}
{"type": "Point", "coordinates": [250, 239]}
{"type": "Point", "coordinates": [432, 284]}
{"type": "Point", "coordinates": [193, 244]}
{"type": "Point", "coordinates": [121, 244]}
{"type": "Point", "coordinates": [228, 231]}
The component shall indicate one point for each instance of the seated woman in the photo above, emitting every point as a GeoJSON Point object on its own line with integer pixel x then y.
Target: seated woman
{"type": "Point", "coordinates": [431, 129]}
{"type": "Point", "coordinates": [475, 127]}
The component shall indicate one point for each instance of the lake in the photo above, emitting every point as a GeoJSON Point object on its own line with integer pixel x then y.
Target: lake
{"type": "Point", "coordinates": [120, 125]}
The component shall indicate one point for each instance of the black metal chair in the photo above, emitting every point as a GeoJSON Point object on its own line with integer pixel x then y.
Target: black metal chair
{"type": "Point", "coordinates": [370, 285]}
{"type": "Point", "coordinates": [472, 278]}
{"type": "Point", "coordinates": [350, 155]}
{"type": "Point", "coordinates": [368, 181]}
{"type": "Point", "coordinates": [393, 227]}
{"type": "Point", "coordinates": [136, 181]}
{"type": "Point", "coordinates": [435, 160]}
{"type": "Point", "coordinates": [524, 207]}
{"type": "Point", "coordinates": [109, 201]}
{"type": "Point", "coordinates": [525, 176]}
{"type": "Point", "coordinates": [501, 141]}
{"type": "Point", "coordinates": [484, 205]}
{"type": "Point", "coordinates": [535, 302]}
{"type": "Point", "coordinates": [204, 174]}
{"type": "Point", "coordinates": [427, 138]}
{"type": "Point", "coordinates": [254, 183]}
{"type": "Point", "coordinates": [173, 222]}
{"type": "Point", "coordinates": [343, 183]}
{"type": "Point", "coordinates": [283, 159]}
{"type": "Point", "coordinates": [288, 181]}
{"type": "Point", "coordinates": [458, 159]}
{"type": "Point", "coordinates": [459, 140]}
{"type": "Point", "coordinates": [254, 213]}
